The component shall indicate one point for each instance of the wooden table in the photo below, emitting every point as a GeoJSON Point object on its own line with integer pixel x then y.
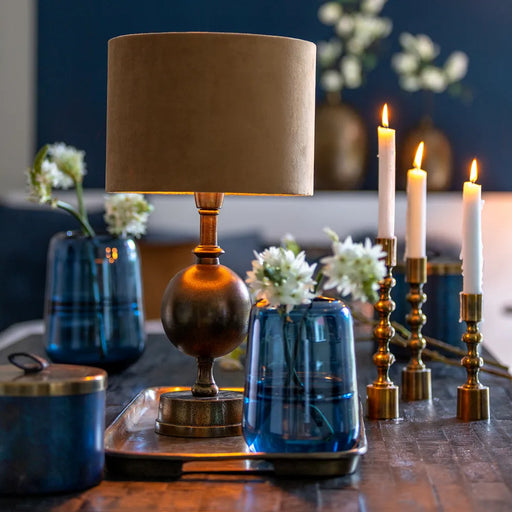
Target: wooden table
{"type": "Point", "coordinates": [425, 461]}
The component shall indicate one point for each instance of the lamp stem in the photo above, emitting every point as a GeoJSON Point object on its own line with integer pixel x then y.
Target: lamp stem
{"type": "Point", "coordinates": [208, 204]}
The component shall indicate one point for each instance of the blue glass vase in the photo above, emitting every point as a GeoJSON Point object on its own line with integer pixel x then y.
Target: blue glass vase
{"type": "Point", "coordinates": [93, 309]}
{"type": "Point", "coordinates": [301, 385]}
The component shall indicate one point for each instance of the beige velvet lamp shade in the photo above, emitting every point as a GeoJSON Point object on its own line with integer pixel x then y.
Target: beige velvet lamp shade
{"type": "Point", "coordinates": [210, 112]}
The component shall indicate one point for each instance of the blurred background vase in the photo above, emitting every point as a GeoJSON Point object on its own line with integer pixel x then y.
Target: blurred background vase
{"type": "Point", "coordinates": [93, 306]}
{"type": "Point", "coordinates": [341, 143]}
{"type": "Point", "coordinates": [301, 386]}
{"type": "Point", "coordinates": [437, 156]}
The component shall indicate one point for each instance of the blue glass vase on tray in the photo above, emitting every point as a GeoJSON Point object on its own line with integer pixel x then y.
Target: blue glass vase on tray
{"type": "Point", "coordinates": [301, 385]}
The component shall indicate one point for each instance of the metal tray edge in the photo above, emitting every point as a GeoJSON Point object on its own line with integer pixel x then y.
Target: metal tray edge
{"type": "Point", "coordinates": [285, 464]}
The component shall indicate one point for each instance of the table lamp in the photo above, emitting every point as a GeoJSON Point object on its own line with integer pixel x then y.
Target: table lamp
{"type": "Point", "coordinates": [208, 114]}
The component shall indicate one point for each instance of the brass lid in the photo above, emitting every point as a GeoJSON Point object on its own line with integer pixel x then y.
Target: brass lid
{"type": "Point", "coordinates": [49, 379]}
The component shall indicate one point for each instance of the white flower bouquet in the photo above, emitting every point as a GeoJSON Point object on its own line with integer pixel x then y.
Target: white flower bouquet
{"type": "Point", "coordinates": [58, 166]}
{"type": "Point", "coordinates": [416, 68]}
{"type": "Point", "coordinates": [283, 278]}
{"type": "Point", "coordinates": [351, 52]}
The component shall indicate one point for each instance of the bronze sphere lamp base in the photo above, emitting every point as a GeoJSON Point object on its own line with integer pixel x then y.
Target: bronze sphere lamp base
{"type": "Point", "coordinates": [205, 310]}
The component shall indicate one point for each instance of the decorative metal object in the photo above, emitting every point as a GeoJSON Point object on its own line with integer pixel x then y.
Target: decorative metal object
{"type": "Point", "coordinates": [132, 450]}
{"type": "Point", "coordinates": [204, 313]}
{"type": "Point", "coordinates": [179, 128]}
{"type": "Point", "coordinates": [472, 397]}
{"type": "Point", "coordinates": [416, 380]}
{"type": "Point", "coordinates": [341, 145]}
{"type": "Point", "coordinates": [382, 395]}
{"type": "Point", "coordinates": [438, 160]}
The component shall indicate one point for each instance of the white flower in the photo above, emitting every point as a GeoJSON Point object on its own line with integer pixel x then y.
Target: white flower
{"type": "Point", "coordinates": [426, 48]}
{"type": "Point", "coordinates": [416, 69]}
{"type": "Point", "coordinates": [330, 12]}
{"type": "Point", "coordinates": [405, 63]}
{"type": "Point", "coordinates": [329, 51]}
{"type": "Point", "coordinates": [407, 41]}
{"type": "Point", "coordinates": [372, 6]}
{"type": "Point", "coordinates": [433, 79]}
{"type": "Point", "coordinates": [354, 269]}
{"type": "Point", "coordinates": [281, 278]}
{"type": "Point", "coordinates": [456, 66]}
{"type": "Point", "coordinates": [331, 80]}
{"type": "Point", "coordinates": [421, 45]}
{"type": "Point", "coordinates": [410, 83]}
{"type": "Point", "coordinates": [126, 214]}
{"type": "Point", "coordinates": [356, 45]}
{"type": "Point", "coordinates": [367, 28]}
{"type": "Point", "coordinates": [345, 26]}
{"type": "Point", "coordinates": [383, 27]}
{"type": "Point", "coordinates": [351, 71]}
{"type": "Point", "coordinates": [68, 160]}
{"type": "Point", "coordinates": [56, 178]}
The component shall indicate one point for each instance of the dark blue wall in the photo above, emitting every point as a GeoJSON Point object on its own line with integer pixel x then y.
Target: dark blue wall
{"type": "Point", "coordinates": [72, 68]}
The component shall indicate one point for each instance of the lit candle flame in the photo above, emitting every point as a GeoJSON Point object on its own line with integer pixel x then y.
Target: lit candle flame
{"type": "Point", "coordinates": [473, 175]}
{"type": "Point", "coordinates": [419, 156]}
{"type": "Point", "coordinates": [385, 121]}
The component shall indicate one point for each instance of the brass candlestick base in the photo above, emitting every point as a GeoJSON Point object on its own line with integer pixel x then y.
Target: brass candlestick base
{"type": "Point", "coordinates": [416, 380]}
{"type": "Point", "coordinates": [382, 395]}
{"type": "Point", "coordinates": [472, 397]}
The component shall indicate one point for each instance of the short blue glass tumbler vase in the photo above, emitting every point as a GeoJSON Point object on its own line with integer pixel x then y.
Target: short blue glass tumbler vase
{"type": "Point", "coordinates": [94, 313]}
{"type": "Point", "coordinates": [301, 384]}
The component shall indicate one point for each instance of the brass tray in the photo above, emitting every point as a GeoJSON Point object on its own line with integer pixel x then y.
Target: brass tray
{"type": "Point", "coordinates": [134, 450]}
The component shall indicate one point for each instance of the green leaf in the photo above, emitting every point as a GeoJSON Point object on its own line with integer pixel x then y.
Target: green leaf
{"type": "Point", "coordinates": [40, 156]}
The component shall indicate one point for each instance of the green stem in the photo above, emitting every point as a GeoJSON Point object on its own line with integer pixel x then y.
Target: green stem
{"type": "Point", "coordinates": [97, 300]}
{"type": "Point", "coordinates": [319, 279]}
{"type": "Point", "coordinates": [80, 197]}
{"type": "Point", "coordinates": [317, 414]}
{"type": "Point", "coordinates": [84, 222]}
{"type": "Point", "coordinates": [81, 206]}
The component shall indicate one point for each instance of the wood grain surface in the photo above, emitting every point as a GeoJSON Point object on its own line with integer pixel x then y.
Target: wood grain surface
{"type": "Point", "coordinates": [425, 461]}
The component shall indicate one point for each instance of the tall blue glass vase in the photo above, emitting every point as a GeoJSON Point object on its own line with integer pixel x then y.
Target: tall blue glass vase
{"type": "Point", "coordinates": [94, 312]}
{"type": "Point", "coordinates": [301, 385]}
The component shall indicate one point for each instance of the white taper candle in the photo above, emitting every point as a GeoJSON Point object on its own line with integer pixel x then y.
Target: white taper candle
{"type": "Point", "coordinates": [387, 169]}
{"type": "Point", "coordinates": [472, 250]}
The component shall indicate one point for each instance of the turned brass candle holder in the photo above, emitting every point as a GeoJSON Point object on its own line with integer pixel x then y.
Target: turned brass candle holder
{"type": "Point", "coordinates": [472, 397]}
{"type": "Point", "coordinates": [416, 380]}
{"type": "Point", "coordinates": [382, 394]}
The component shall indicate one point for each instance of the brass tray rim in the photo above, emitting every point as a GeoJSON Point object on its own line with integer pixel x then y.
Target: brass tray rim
{"type": "Point", "coordinates": [354, 453]}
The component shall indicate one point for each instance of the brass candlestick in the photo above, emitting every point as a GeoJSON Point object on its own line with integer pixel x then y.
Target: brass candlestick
{"type": "Point", "coordinates": [382, 395]}
{"type": "Point", "coordinates": [416, 381]}
{"type": "Point", "coordinates": [472, 397]}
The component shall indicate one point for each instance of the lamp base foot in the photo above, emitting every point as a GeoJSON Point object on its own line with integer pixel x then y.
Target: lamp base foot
{"type": "Point", "coordinates": [182, 414]}
{"type": "Point", "coordinates": [382, 402]}
{"type": "Point", "coordinates": [416, 384]}
{"type": "Point", "coordinates": [473, 404]}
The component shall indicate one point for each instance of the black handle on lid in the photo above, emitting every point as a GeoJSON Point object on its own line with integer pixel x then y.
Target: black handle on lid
{"type": "Point", "coordinates": [36, 363]}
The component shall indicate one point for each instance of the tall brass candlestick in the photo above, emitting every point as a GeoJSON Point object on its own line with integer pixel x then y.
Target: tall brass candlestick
{"type": "Point", "coordinates": [416, 381]}
{"type": "Point", "coordinates": [472, 397]}
{"type": "Point", "coordinates": [382, 395]}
